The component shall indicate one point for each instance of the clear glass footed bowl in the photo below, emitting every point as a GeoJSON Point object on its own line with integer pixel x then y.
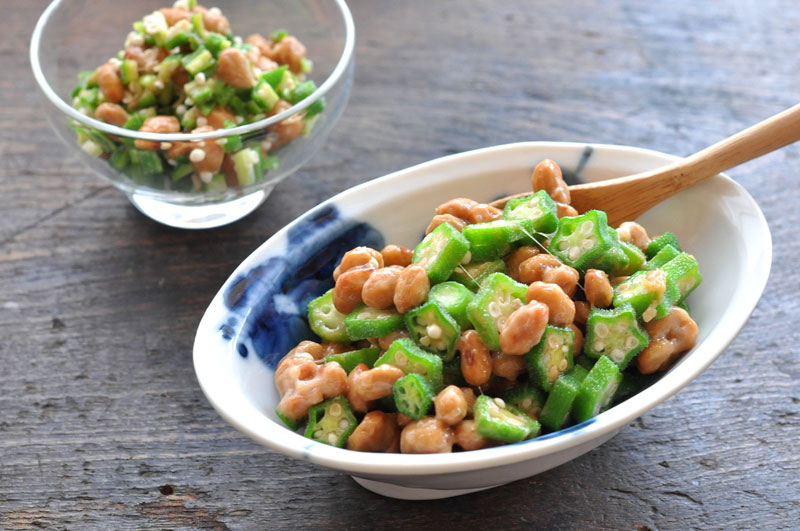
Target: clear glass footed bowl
{"type": "Point", "coordinates": [73, 36]}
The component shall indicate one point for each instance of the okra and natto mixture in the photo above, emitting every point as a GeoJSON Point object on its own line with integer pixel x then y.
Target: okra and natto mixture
{"type": "Point", "coordinates": [498, 326]}
{"type": "Point", "coordinates": [183, 71]}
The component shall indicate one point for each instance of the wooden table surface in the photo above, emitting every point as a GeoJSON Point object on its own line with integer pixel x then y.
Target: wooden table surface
{"type": "Point", "coordinates": [102, 423]}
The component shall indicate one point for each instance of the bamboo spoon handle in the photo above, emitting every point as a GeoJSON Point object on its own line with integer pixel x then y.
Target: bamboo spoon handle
{"type": "Point", "coordinates": [626, 198]}
{"type": "Point", "coordinates": [629, 197]}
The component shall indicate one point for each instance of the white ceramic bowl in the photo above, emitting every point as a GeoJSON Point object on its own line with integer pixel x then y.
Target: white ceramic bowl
{"type": "Point", "coordinates": [259, 314]}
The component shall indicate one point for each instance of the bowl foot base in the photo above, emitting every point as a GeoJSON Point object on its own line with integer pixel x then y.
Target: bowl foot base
{"type": "Point", "coordinates": [198, 216]}
{"type": "Point", "coordinates": [399, 492]}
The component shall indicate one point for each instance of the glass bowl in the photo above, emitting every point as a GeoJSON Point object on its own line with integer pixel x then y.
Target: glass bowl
{"type": "Point", "coordinates": [76, 35]}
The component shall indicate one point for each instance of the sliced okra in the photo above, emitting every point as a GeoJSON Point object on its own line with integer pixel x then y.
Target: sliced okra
{"type": "Point", "coordinates": [558, 406]}
{"type": "Point", "coordinates": [503, 422]}
{"type": "Point", "coordinates": [667, 253]}
{"type": "Point", "coordinates": [491, 240]}
{"type": "Point", "coordinates": [365, 322]}
{"type": "Point", "coordinates": [596, 390]}
{"type": "Point", "coordinates": [536, 213]}
{"type": "Point", "coordinates": [349, 360]}
{"type": "Point", "coordinates": [526, 398]}
{"type": "Point", "coordinates": [473, 274]}
{"type": "Point", "coordinates": [636, 259]}
{"type": "Point", "coordinates": [453, 298]}
{"type": "Point", "coordinates": [489, 310]}
{"type": "Point", "coordinates": [440, 252]}
{"type": "Point", "coordinates": [325, 320]}
{"type": "Point", "coordinates": [614, 333]}
{"type": "Point", "coordinates": [413, 395]}
{"type": "Point", "coordinates": [331, 422]}
{"type": "Point", "coordinates": [551, 357]}
{"type": "Point", "coordinates": [656, 244]}
{"type": "Point", "coordinates": [684, 271]}
{"type": "Point", "coordinates": [291, 423]}
{"type": "Point", "coordinates": [651, 293]}
{"type": "Point", "coordinates": [581, 240]}
{"type": "Point", "coordinates": [433, 329]}
{"type": "Point", "coordinates": [409, 358]}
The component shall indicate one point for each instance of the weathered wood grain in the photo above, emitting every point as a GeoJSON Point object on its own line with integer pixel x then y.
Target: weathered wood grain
{"type": "Point", "coordinates": [102, 424]}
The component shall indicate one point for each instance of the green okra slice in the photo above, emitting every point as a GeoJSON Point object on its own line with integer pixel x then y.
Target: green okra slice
{"type": "Point", "coordinates": [597, 389]}
{"type": "Point", "coordinates": [614, 333]}
{"type": "Point", "coordinates": [349, 360]}
{"type": "Point", "coordinates": [473, 274]}
{"type": "Point", "coordinates": [536, 213]}
{"type": "Point", "coordinates": [365, 322]}
{"type": "Point", "coordinates": [497, 299]}
{"type": "Point", "coordinates": [558, 406]}
{"type": "Point", "coordinates": [551, 357]}
{"type": "Point", "coordinates": [409, 358]}
{"type": "Point", "coordinates": [656, 244]}
{"type": "Point", "coordinates": [413, 395]}
{"type": "Point", "coordinates": [502, 422]}
{"type": "Point", "coordinates": [433, 329]}
{"type": "Point", "coordinates": [651, 293]}
{"type": "Point", "coordinates": [684, 271]}
{"type": "Point", "coordinates": [291, 423]}
{"type": "Point", "coordinates": [636, 260]}
{"type": "Point", "coordinates": [493, 239]}
{"type": "Point", "coordinates": [440, 252]}
{"type": "Point", "coordinates": [325, 320]}
{"type": "Point", "coordinates": [667, 253]}
{"type": "Point", "coordinates": [526, 398]}
{"type": "Point", "coordinates": [331, 422]}
{"type": "Point", "coordinates": [582, 240]}
{"type": "Point", "coordinates": [453, 298]}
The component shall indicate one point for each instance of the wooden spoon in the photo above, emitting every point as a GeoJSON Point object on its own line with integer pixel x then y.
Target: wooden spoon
{"type": "Point", "coordinates": [626, 198]}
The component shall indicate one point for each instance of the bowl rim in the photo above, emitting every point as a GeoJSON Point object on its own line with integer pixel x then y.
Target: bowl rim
{"type": "Point", "coordinates": [278, 437]}
{"type": "Point", "coordinates": [335, 76]}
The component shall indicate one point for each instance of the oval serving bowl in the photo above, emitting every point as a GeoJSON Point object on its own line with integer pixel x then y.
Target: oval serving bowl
{"type": "Point", "coordinates": [259, 314]}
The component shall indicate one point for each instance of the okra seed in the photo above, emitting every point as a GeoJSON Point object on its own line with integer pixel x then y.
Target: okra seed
{"type": "Point", "coordinates": [318, 434]}
{"type": "Point", "coordinates": [526, 403]}
{"type": "Point", "coordinates": [617, 355]}
{"type": "Point", "coordinates": [563, 245]}
{"type": "Point", "coordinates": [546, 359]}
{"type": "Point", "coordinates": [500, 402]}
{"type": "Point", "coordinates": [343, 424]}
{"type": "Point", "coordinates": [601, 330]}
{"type": "Point", "coordinates": [434, 331]}
{"type": "Point", "coordinates": [552, 374]}
{"type": "Point", "coordinates": [599, 345]}
{"type": "Point", "coordinates": [401, 359]}
{"type": "Point", "coordinates": [562, 365]}
{"type": "Point", "coordinates": [587, 227]}
{"type": "Point", "coordinates": [425, 341]}
{"type": "Point", "coordinates": [630, 342]}
{"type": "Point", "coordinates": [648, 314]}
{"type": "Point", "coordinates": [587, 244]}
{"type": "Point", "coordinates": [364, 315]}
{"type": "Point", "coordinates": [574, 253]}
{"type": "Point", "coordinates": [564, 348]}
{"type": "Point", "coordinates": [467, 258]}
{"type": "Point", "coordinates": [335, 410]}
{"type": "Point", "coordinates": [494, 309]}
{"type": "Point", "coordinates": [332, 438]}
{"type": "Point", "coordinates": [553, 342]}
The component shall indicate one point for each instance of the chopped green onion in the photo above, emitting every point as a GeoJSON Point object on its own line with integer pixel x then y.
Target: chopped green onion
{"type": "Point", "coordinates": [302, 91]}
{"type": "Point", "coordinates": [306, 65]}
{"type": "Point", "coordinates": [264, 95]}
{"type": "Point", "coordinates": [278, 35]}
{"type": "Point", "coordinates": [198, 61]}
{"type": "Point", "coordinates": [197, 24]}
{"type": "Point", "coordinates": [119, 159]}
{"type": "Point", "coordinates": [181, 171]}
{"type": "Point", "coordinates": [216, 43]}
{"type": "Point", "coordinates": [129, 71]}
